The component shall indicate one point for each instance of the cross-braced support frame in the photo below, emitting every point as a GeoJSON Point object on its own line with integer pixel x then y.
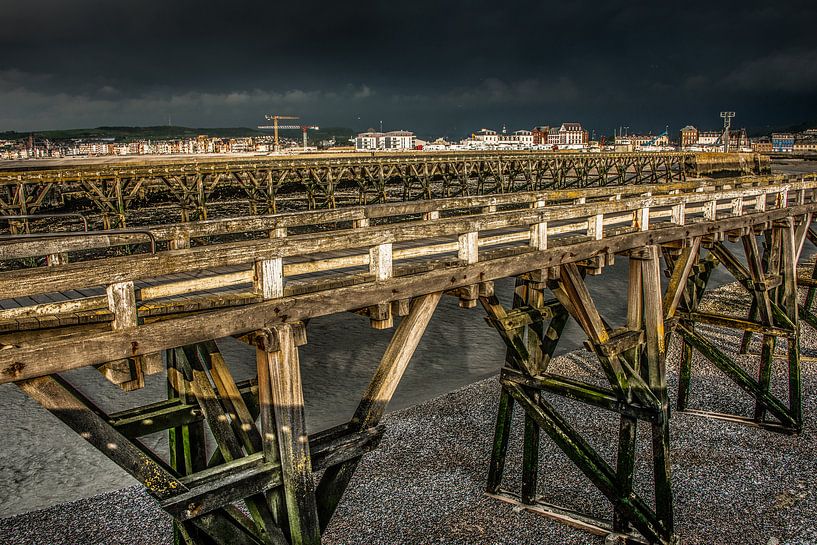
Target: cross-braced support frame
{"type": "Point", "coordinates": [770, 279]}
{"type": "Point", "coordinates": [258, 486]}
{"type": "Point", "coordinates": [632, 360]}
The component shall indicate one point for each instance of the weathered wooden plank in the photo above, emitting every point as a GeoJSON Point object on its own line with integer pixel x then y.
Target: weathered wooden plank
{"type": "Point", "coordinates": [60, 307]}
{"type": "Point", "coordinates": [198, 284]}
{"type": "Point", "coordinates": [62, 402]}
{"type": "Point", "coordinates": [678, 279]}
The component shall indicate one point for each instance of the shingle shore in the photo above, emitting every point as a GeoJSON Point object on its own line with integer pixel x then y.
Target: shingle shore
{"type": "Point", "coordinates": [732, 484]}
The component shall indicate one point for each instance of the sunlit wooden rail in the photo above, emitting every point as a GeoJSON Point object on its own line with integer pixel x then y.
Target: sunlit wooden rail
{"type": "Point", "coordinates": [104, 299]}
{"type": "Point", "coordinates": [412, 231]}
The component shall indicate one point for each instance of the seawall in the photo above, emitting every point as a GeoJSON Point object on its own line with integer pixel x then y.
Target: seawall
{"type": "Point", "coordinates": [731, 164]}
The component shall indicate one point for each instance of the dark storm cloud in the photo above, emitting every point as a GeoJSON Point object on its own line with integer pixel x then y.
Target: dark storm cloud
{"type": "Point", "coordinates": [436, 67]}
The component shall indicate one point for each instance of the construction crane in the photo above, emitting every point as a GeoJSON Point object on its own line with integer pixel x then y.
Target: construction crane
{"type": "Point", "coordinates": [274, 119]}
{"type": "Point", "coordinates": [275, 126]}
{"type": "Point", "coordinates": [306, 128]}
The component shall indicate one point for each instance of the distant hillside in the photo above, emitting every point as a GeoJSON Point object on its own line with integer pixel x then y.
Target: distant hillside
{"type": "Point", "coordinates": [170, 132]}
{"type": "Point", "coordinates": [769, 129]}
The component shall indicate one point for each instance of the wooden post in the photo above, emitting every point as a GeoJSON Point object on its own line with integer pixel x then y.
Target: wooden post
{"type": "Point", "coordinates": [126, 373]}
{"type": "Point", "coordinates": [711, 210]}
{"type": "Point", "coordinates": [186, 443]}
{"type": "Point", "coordinates": [595, 226]}
{"type": "Point", "coordinates": [380, 265]}
{"type": "Point", "coordinates": [760, 203]}
{"type": "Point", "coordinates": [539, 231]}
{"type": "Point", "coordinates": [789, 298]}
{"type": "Point", "coordinates": [468, 251]}
{"type": "Point", "coordinates": [293, 441]}
{"type": "Point", "coordinates": [268, 280]}
{"type": "Point", "coordinates": [656, 374]}
{"type": "Point", "coordinates": [679, 214]}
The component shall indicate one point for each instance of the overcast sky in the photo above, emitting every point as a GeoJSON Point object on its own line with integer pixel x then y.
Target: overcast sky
{"type": "Point", "coordinates": [436, 67]}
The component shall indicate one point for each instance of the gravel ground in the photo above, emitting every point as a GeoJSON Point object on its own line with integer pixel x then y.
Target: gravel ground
{"type": "Point", "coordinates": [732, 484]}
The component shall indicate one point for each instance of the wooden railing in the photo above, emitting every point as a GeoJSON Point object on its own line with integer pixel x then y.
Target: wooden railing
{"type": "Point", "coordinates": [548, 217]}
{"type": "Point", "coordinates": [394, 261]}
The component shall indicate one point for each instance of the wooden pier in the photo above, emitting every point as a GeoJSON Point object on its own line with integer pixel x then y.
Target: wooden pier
{"type": "Point", "coordinates": [133, 302]}
{"type": "Point", "coordinates": [195, 188]}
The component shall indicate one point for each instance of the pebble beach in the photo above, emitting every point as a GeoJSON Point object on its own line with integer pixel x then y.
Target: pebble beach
{"type": "Point", "coordinates": [733, 484]}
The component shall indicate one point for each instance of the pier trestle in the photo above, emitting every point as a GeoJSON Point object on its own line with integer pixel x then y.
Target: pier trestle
{"type": "Point", "coordinates": [269, 467]}
{"type": "Point", "coordinates": [770, 278]}
{"type": "Point", "coordinates": [632, 360]}
{"type": "Point", "coordinates": [146, 309]}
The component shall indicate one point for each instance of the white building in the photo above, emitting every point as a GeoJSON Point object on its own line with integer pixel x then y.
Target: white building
{"type": "Point", "coordinates": [399, 140]}
{"type": "Point", "coordinates": [708, 138]}
{"type": "Point", "coordinates": [572, 134]}
{"type": "Point", "coordinates": [554, 136]}
{"type": "Point", "coordinates": [523, 138]}
{"type": "Point", "coordinates": [392, 140]}
{"type": "Point", "coordinates": [368, 140]}
{"type": "Point", "coordinates": [486, 136]}
{"type": "Point", "coordinates": [485, 139]}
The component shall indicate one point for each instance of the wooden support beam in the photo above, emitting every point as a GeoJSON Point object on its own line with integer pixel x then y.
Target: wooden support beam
{"type": "Point", "coordinates": [377, 396]}
{"type": "Point", "coordinates": [654, 370]}
{"type": "Point", "coordinates": [60, 399]}
{"type": "Point", "coordinates": [738, 375]}
{"type": "Point", "coordinates": [226, 431]}
{"type": "Point", "coordinates": [583, 392]}
{"type": "Point", "coordinates": [637, 511]}
{"type": "Point", "coordinates": [293, 441]}
{"type": "Point", "coordinates": [680, 274]}
{"type": "Point", "coordinates": [253, 475]}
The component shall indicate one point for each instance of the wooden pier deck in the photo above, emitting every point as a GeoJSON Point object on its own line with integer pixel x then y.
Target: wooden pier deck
{"type": "Point", "coordinates": [153, 299]}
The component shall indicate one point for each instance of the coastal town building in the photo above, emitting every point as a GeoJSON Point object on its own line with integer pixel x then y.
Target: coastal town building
{"type": "Point", "coordinates": [762, 145]}
{"type": "Point", "coordinates": [554, 138]}
{"type": "Point", "coordinates": [521, 138]}
{"type": "Point", "coordinates": [486, 136]}
{"type": "Point", "coordinates": [540, 135]}
{"type": "Point", "coordinates": [641, 142]}
{"type": "Point", "coordinates": [572, 134]}
{"type": "Point", "coordinates": [368, 141]}
{"type": "Point", "coordinates": [487, 139]}
{"type": "Point", "coordinates": [689, 136]}
{"type": "Point", "coordinates": [782, 142]}
{"type": "Point", "coordinates": [399, 140]}
{"type": "Point", "coordinates": [392, 140]}
{"type": "Point", "coordinates": [805, 146]}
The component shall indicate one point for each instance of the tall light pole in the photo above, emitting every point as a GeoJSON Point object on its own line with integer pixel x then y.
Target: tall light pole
{"type": "Point", "coordinates": [727, 124]}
